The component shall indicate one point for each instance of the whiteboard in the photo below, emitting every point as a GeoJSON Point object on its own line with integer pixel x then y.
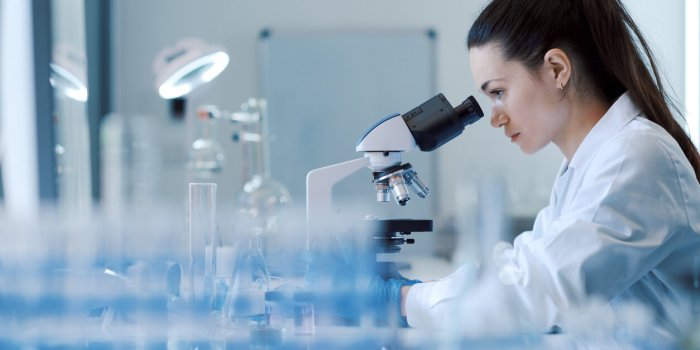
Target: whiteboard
{"type": "Point", "coordinates": [324, 90]}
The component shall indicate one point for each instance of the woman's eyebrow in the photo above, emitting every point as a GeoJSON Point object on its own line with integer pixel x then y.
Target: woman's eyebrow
{"type": "Point", "coordinates": [486, 84]}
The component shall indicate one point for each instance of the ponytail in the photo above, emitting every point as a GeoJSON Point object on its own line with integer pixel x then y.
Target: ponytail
{"type": "Point", "coordinates": [622, 57]}
{"type": "Point", "coordinates": [606, 56]}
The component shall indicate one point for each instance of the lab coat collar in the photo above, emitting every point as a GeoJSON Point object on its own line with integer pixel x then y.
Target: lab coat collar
{"type": "Point", "coordinates": [620, 114]}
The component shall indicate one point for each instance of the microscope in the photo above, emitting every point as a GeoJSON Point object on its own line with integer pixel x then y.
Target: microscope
{"type": "Point", "coordinates": [427, 127]}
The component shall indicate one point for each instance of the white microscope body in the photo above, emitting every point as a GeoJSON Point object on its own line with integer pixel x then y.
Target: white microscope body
{"type": "Point", "coordinates": [427, 127]}
{"type": "Point", "coordinates": [389, 134]}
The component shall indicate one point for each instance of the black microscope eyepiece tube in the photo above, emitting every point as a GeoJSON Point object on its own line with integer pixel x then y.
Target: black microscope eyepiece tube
{"type": "Point", "coordinates": [435, 122]}
{"type": "Point", "coordinates": [469, 111]}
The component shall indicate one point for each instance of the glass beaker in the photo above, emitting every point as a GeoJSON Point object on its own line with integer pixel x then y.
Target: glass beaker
{"type": "Point", "coordinates": [202, 240]}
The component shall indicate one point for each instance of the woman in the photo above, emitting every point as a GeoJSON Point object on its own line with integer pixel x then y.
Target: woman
{"type": "Point", "coordinates": [623, 222]}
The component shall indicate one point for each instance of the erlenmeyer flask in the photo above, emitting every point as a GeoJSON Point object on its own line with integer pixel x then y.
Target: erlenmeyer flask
{"type": "Point", "coordinates": [245, 298]}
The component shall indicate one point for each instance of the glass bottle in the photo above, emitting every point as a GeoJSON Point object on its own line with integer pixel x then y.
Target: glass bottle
{"type": "Point", "coordinates": [206, 156]}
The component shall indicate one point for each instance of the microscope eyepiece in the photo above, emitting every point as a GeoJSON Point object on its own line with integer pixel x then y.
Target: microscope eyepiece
{"type": "Point", "coordinates": [469, 111]}
{"type": "Point", "coordinates": [435, 122]}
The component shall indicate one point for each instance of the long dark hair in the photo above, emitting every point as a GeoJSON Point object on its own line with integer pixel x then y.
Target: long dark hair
{"type": "Point", "coordinates": [599, 36]}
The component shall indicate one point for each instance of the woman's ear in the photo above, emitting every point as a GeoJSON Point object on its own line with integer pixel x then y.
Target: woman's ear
{"type": "Point", "coordinates": [558, 67]}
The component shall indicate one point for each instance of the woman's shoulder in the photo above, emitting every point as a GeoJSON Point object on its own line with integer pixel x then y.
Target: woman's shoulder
{"type": "Point", "coordinates": [644, 164]}
{"type": "Point", "coordinates": [644, 143]}
{"type": "Point", "coordinates": [640, 154]}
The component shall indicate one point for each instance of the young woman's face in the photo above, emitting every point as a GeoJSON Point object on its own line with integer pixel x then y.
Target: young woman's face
{"type": "Point", "coordinates": [528, 106]}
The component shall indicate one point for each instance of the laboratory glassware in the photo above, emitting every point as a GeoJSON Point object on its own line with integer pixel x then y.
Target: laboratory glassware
{"type": "Point", "coordinates": [130, 163]}
{"type": "Point", "coordinates": [262, 199]}
{"type": "Point", "coordinates": [206, 156]}
{"type": "Point", "coordinates": [202, 241]}
{"type": "Point", "coordinates": [304, 320]}
{"type": "Point", "coordinates": [245, 298]}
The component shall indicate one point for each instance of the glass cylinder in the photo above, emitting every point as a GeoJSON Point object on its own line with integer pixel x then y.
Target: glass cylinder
{"type": "Point", "coordinates": [202, 239]}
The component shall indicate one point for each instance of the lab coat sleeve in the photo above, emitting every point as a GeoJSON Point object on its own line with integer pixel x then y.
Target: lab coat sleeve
{"type": "Point", "coordinates": [613, 232]}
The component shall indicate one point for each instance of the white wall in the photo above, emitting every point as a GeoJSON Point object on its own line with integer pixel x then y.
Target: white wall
{"type": "Point", "coordinates": [143, 28]}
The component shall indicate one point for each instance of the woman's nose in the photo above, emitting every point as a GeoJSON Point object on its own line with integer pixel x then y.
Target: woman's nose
{"type": "Point", "coordinates": [498, 118]}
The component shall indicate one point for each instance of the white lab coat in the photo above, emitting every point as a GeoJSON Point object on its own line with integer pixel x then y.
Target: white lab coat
{"type": "Point", "coordinates": [623, 224]}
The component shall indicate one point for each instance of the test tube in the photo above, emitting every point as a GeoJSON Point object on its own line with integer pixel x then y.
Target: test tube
{"type": "Point", "coordinates": [202, 231]}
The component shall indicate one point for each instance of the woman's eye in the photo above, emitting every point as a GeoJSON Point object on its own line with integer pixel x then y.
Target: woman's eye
{"type": "Point", "coordinates": [497, 93]}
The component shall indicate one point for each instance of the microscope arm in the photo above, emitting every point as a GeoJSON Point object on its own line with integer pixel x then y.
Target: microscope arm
{"type": "Point", "coordinates": [319, 189]}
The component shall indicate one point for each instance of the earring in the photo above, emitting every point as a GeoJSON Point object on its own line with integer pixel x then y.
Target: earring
{"type": "Point", "coordinates": [561, 86]}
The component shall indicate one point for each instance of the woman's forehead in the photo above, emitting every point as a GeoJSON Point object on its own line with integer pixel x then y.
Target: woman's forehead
{"type": "Point", "coordinates": [487, 63]}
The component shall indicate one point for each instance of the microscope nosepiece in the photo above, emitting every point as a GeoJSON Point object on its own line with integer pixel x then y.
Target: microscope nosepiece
{"type": "Point", "coordinates": [397, 180]}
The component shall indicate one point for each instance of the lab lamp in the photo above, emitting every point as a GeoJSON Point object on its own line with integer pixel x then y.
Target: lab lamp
{"type": "Point", "coordinates": [68, 83]}
{"type": "Point", "coordinates": [186, 66]}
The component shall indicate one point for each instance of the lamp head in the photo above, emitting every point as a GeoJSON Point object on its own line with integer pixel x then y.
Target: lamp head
{"type": "Point", "coordinates": [186, 66]}
{"type": "Point", "coordinates": [68, 72]}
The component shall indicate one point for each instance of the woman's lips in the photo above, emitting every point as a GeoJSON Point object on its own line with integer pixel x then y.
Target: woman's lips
{"type": "Point", "coordinates": [514, 137]}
